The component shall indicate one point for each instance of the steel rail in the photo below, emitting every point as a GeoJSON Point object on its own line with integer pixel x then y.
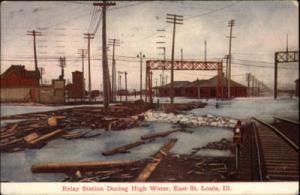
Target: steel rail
{"type": "Point", "coordinates": [259, 160]}
{"type": "Point", "coordinates": [284, 137]}
{"type": "Point", "coordinates": [286, 120]}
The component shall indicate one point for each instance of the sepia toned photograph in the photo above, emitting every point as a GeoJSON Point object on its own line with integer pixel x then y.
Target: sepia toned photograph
{"type": "Point", "coordinates": [153, 97]}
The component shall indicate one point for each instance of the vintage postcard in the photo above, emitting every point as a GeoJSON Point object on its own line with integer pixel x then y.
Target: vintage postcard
{"type": "Point", "coordinates": [152, 97]}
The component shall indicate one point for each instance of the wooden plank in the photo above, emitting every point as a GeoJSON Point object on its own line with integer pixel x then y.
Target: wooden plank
{"type": "Point", "coordinates": [151, 166]}
{"type": "Point", "coordinates": [46, 136]}
{"type": "Point", "coordinates": [123, 148]}
{"type": "Point", "coordinates": [31, 137]}
{"type": "Point", "coordinates": [159, 134]}
{"type": "Point", "coordinates": [66, 167]}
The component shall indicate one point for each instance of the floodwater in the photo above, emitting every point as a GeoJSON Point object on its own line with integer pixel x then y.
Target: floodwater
{"type": "Point", "coordinates": [15, 167]}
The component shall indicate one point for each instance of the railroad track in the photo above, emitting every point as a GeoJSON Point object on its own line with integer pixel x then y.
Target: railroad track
{"type": "Point", "coordinates": [277, 155]}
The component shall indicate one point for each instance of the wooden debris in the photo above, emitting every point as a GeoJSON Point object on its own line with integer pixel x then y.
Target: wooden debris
{"type": "Point", "coordinates": [123, 148]}
{"type": "Point", "coordinates": [67, 167]}
{"type": "Point", "coordinates": [46, 137]}
{"type": "Point", "coordinates": [150, 167]}
{"type": "Point", "coordinates": [29, 138]}
{"type": "Point", "coordinates": [159, 134]}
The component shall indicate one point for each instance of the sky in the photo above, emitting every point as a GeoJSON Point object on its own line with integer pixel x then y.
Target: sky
{"type": "Point", "coordinates": [261, 29]}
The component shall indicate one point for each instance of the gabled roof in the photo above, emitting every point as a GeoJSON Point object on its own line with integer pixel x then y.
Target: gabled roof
{"type": "Point", "coordinates": [212, 82]}
{"type": "Point", "coordinates": [177, 84]}
{"type": "Point", "coordinates": [20, 71]}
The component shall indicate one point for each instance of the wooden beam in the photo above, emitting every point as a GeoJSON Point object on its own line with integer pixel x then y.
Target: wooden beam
{"type": "Point", "coordinates": [160, 134]}
{"type": "Point", "coordinates": [123, 148]}
{"type": "Point", "coordinates": [151, 166]}
{"type": "Point", "coordinates": [67, 167]}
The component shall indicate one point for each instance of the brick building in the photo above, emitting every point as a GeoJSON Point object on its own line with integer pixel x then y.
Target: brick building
{"type": "Point", "coordinates": [18, 76]}
{"type": "Point", "coordinates": [76, 88]}
{"type": "Point", "coordinates": [19, 84]}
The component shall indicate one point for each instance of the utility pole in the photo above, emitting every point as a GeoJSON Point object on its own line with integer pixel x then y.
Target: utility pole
{"type": "Point", "coordinates": [230, 24]}
{"type": "Point", "coordinates": [205, 51]}
{"type": "Point", "coordinates": [89, 36]}
{"type": "Point", "coordinates": [164, 50]}
{"type": "Point", "coordinates": [226, 72]}
{"type": "Point", "coordinates": [166, 79]}
{"type": "Point", "coordinates": [161, 79]}
{"type": "Point", "coordinates": [42, 71]}
{"type": "Point", "coordinates": [253, 80]}
{"type": "Point", "coordinates": [120, 86]}
{"type": "Point", "coordinates": [126, 85]}
{"type": "Point", "coordinates": [125, 73]}
{"type": "Point", "coordinates": [82, 52]}
{"type": "Point", "coordinates": [173, 19]}
{"type": "Point", "coordinates": [287, 43]}
{"type": "Point", "coordinates": [141, 56]}
{"type": "Point", "coordinates": [114, 42]}
{"type": "Point", "coordinates": [105, 69]}
{"type": "Point", "coordinates": [181, 52]}
{"type": "Point", "coordinates": [248, 78]}
{"type": "Point", "coordinates": [62, 64]}
{"type": "Point", "coordinates": [34, 34]}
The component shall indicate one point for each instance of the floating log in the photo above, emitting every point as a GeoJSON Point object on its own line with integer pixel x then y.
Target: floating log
{"type": "Point", "coordinates": [151, 166]}
{"type": "Point", "coordinates": [123, 148]}
{"type": "Point", "coordinates": [46, 136]}
{"type": "Point", "coordinates": [160, 134]}
{"type": "Point", "coordinates": [67, 167]}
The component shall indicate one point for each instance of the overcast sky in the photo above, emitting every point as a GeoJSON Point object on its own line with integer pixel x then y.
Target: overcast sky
{"type": "Point", "coordinates": [260, 29]}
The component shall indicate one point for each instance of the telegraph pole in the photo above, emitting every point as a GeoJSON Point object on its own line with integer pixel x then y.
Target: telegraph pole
{"type": "Point", "coordinates": [181, 52]}
{"type": "Point", "coordinates": [82, 52]}
{"type": "Point", "coordinates": [89, 36]}
{"type": "Point", "coordinates": [161, 79]}
{"type": "Point", "coordinates": [205, 51]}
{"type": "Point", "coordinates": [253, 80]}
{"type": "Point", "coordinates": [105, 69]}
{"type": "Point", "coordinates": [226, 72]}
{"type": "Point", "coordinates": [248, 78]}
{"type": "Point", "coordinates": [141, 56]}
{"type": "Point", "coordinates": [166, 79]}
{"type": "Point", "coordinates": [120, 86]}
{"type": "Point", "coordinates": [173, 19]}
{"type": "Point", "coordinates": [34, 34]}
{"type": "Point", "coordinates": [114, 42]}
{"type": "Point", "coordinates": [230, 24]}
{"type": "Point", "coordinates": [42, 71]}
{"type": "Point", "coordinates": [164, 50]}
{"type": "Point", "coordinates": [126, 86]}
{"type": "Point", "coordinates": [62, 64]}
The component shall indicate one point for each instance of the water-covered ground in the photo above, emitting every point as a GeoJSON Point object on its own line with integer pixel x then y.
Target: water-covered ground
{"type": "Point", "coordinates": [16, 166]}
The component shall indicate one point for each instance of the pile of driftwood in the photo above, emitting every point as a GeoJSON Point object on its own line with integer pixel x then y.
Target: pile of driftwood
{"type": "Point", "coordinates": [37, 129]}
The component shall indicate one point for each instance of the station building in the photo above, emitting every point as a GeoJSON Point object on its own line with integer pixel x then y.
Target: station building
{"type": "Point", "coordinates": [201, 88]}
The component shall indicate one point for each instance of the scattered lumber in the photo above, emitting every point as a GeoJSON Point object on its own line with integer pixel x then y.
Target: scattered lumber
{"type": "Point", "coordinates": [46, 137]}
{"type": "Point", "coordinates": [70, 167]}
{"type": "Point", "coordinates": [160, 134]}
{"type": "Point", "coordinates": [150, 167]}
{"type": "Point", "coordinates": [123, 148]}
